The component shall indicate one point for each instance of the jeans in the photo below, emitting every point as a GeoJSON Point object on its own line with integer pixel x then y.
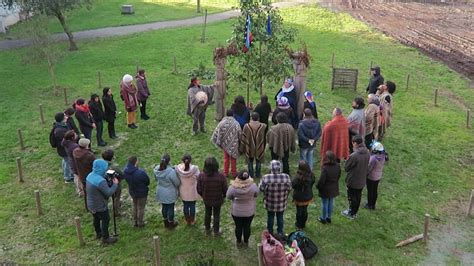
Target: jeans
{"type": "Point", "coordinates": [167, 210]}
{"type": "Point", "coordinates": [143, 109]}
{"type": "Point", "coordinates": [67, 172]}
{"type": "Point", "coordinates": [233, 164]}
{"type": "Point", "coordinates": [189, 208]}
{"type": "Point", "coordinates": [101, 224]}
{"type": "Point", "coordinates": [242, 227]}
{"type": "Point", "coordinates": [87, 131]}
{"type": "Point", "coordinates": [307, 156]}
{"type": "Point", "coordinates": [99, 131]}
{"type": "Point", "coordinates": [215, 212]}
{"type": "Point", "coordinates": [354, 197]}
{"type": "Point", "coordinates": [286, 156]}
{"type": "Point", "coordinates": [327, 207]}
{"type": "Point", "coordinates": [199, 116]}
{"type": "Point", "coordinates": [372, 194]}
{"type": "Point", "coordinates": [270, 219]}
{"type": "Point", "coordinates": [111, 127]}
{"type": "Point", "coordinates": [301, 216]}
{"type": "Point", "coordinates": [258, 167]}
{"type": "Point", "coordinates": [138, 210]}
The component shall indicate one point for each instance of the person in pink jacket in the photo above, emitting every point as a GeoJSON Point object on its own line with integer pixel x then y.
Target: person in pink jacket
{"type": "Point", "coordinates": [188, 173]}
{"type": "Point", "coordinates": [376, 164]}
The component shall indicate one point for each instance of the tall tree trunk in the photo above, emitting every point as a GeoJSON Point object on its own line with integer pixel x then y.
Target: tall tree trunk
{"type": "Point", "coordinates": [62, 20]}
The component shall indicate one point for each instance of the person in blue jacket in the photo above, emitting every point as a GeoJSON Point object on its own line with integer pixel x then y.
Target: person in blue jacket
{"type": "Point", "coordinates": [167, 190]}
{"type": "Point", "coordinates": [138, 182]}
{"type": "Point", "coordinates": [98, 193]}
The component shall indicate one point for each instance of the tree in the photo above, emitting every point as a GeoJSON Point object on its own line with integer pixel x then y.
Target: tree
{"type": "Point", "coordinates": [55, 8]}
{"type": "Point", "coordinates": [267, 59]}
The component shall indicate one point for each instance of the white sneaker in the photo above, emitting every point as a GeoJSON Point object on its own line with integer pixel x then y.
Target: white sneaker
{"type": "Point", "coordinates": [347, 214]}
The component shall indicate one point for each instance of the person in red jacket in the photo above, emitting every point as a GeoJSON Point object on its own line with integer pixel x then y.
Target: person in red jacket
{"type": "Point", "coordinates": [335, 136]}
{"type": "Point", "coordinates": [128, 93]}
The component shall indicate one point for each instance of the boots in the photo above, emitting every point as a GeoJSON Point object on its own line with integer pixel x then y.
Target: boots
{"type": "Point", "coordinates": [109, 240]}
{"type": "Point", "coordinates": [187, 218]}
{"type": "Point", "coordinates": [170, 225]}
{"type": "Point", "coordinates": [192, 220]}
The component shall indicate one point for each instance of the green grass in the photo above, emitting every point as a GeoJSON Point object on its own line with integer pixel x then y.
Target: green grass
{"type": "Point", "coordinates": [430, 148]}
{"type": "Point", "coordinates": [106, 13]}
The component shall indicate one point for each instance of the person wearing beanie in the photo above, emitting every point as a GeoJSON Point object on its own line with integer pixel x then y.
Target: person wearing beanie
{"type": "Point", "coordinates": [98, 193]}
{"type": "Point", "coordinates": [385, 94]}
{"type": "Point", "coordinates": [357, 167]}
{"type": "Point", "coordinates": [309, 132]}
{"type": "Point", "coordinates": [138, 182]}
{"type": "Point", "coordinates": [83, 157]}
{"type": "Point", "coordinates": [302, 186]}
{"type": "Point", "coordinates": [128, 93]}
{"type": "Point", "coordinates": [143, 93]}
{"type": "Point", "coordinates": [243, 193]}
{"type": "Point", "coordinates": [276, 187]}
{"type": "Point", "coordinates": [188, 174]}
{"type": "Point", "coordinates": [70, 144]}
{"type": "Point", "coordinates": [167, 190]}
{"type": "Point", "coordinates": [199, 98]}
{"type": "Point", "coordinates": [377, 160]}
{"type": "Point", "coordinates": [252, 144]}
{"type": "Point", "coordinates": [375, 81]}
{"type": "Point", "coordinates": [71, 124]}
{"type": "Point", "coordinates": [283, 106]}
{"type": "Point", "coordinates": [97, 112]}
{"type": "Point", "coordinates": [310, 104]}
{"type": "Point", "coordinates": [356, 120]}
{"type": "Point", "coordinates": [372, 112]}
{"type": "Point", "coordinates": [84, 117]}
{"type": "Point", "coordinates": [110, 111]}
{"type": "Point", "coordinates": [58, 131]}
{"type": "Point", "coordinates": [281, 141]}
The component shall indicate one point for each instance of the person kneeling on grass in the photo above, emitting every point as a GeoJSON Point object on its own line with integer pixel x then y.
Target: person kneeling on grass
{"type": "Point", "coordinates": [138, 182]}
{"type": "Point", "coordinates": [328, 185]}
{"type": "Point", "coordinates": [302, 193]}
{"type": "Point", "coordinates": [98, 193]}
{"type": "Point", "coordinates": [188, 174]}
{"type": "Point", "coordinates": [376, 164]}
{"type": "Point", "coordinates": [167, 190]}
{"type": "Point", "coordinates": [243, 192]}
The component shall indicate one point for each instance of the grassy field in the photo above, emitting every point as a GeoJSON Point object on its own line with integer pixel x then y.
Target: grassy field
{"type": "Point", "coordinates": [430, 169]}
{"type": "Point", "coordinates": [106, 13]}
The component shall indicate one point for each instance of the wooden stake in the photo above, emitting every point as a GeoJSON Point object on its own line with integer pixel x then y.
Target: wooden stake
{"type": "Point", "coordinates": [198, 6]}
{"type": "Point", "coordinates": [175, 70]}
{"type": "Point", "coordinates": [203, 37]}
{"type": "Point", "coordinates": [41, 114]}
{"type": "Point", "coordinates": [19, 170]}
{"type": "Point", "coordinates": [425, 228]}
{"type": "Point", "coordinates": [332, 62]}
{"type": "Point", "coordinates": [79, 231]}
{"type": "Point", "coordinates": [436, 97]}
{"type": "Point", "coordinates": [20, 137]}
{"type": "Point", "coordinates": [137, 68]}
{"type": "Point", "coordinates": [408, 80]}
{"type": "Point", "coordinates": [409, 240]}
{"type": "Point", "coordinates": [260, 254]}
{"type": "Point", "coordinates": [65, 95]}
{"type": "Point", "coordinates": [99, 80]}
{"type": "Point", "coordinates": [38, 203]}
{"type": "Point", "coordinates": [468, 119]}
{"type": "Point", "coordinates": [156, 242]}
{"type": "Point", "coordinates": [471, 204]}
{"type": "Point", "coordinates": [370, 69]}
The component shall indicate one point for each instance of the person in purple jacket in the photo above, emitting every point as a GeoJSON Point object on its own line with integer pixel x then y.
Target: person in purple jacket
{"type": "Point", "coordinates": [376, 164]}
{"type": "Point", "coordinates": [143, 93]}
{"type": "Point", "coordinates": [243, 193]}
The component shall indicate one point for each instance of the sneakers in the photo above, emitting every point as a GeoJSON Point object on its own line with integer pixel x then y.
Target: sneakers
{"type": "Point", "coordinates": [69, 181]}
{"type": "Point", "coordinates": [328, 220]}
{"type": "Point", "coordinates": [109, 240]}
{"type": "Point", "coordinates": [321, 220]}
{"type": "Point", "coordinates": [348, 214]}
{"type": "Point", "coordinates": [132, 126]}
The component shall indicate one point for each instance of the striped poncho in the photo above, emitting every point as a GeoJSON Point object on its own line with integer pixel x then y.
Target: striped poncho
{"type": "Point", "coordinates": [227, 136]}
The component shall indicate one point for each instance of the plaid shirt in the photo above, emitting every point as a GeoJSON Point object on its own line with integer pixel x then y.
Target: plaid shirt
{"type": "Point", "coordinates": [276, 188]}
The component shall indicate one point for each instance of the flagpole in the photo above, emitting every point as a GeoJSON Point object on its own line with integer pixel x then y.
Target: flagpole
{"type": "Point", "coordinates": [248, 80]}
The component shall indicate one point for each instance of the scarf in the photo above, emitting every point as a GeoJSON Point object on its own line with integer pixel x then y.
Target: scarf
{"type": "Point", "coordinates": [284, 90]}
{"type": "Point", "coordinates": [129, 89]}
{"type": "Point", "coordinates": [239, 183]}
{"type": "Point", "coordinates": [83, 108]}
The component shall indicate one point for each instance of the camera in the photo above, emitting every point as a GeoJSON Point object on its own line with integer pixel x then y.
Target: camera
{"type": "Point", "coordinates": [110, 175]}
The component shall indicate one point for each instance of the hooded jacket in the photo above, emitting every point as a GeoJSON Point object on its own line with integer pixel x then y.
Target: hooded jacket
{"type": "Point", "coordinates": [376, 164]}
{"type": "Point", "coordinates": [167, 190]}
{"type": "Point", "coordinates": [98, 191]}
{"type": "Point", "coordinates": [69, 147]}
{"type": "Point", "coordinates": [110, 109]}
{"type": "Point", "coordinates": [97, 110]}
{"type": "Point", "coordinates": [308, 129]}
{"type": "Point", "coordinates": [357, 167]}
{"type": "Point", "coordinates": [137, 180]}
{"type": "Point", "coordinates": [83, 159]}
{"type": "Point", "coordinates": [142, 86]}
{"type": "Point", "coordinates": [188, 179]}
{"type": "Point", "coordinates": [60, 130]}
{"type": "Point", "coordinates": [212, 188]}
{"type": "Point", "coordinates": [375, 81]}
{"type": "Point", "coordinates": [275, 186]}
{"type": "Point", "coordinates": [243, 194]}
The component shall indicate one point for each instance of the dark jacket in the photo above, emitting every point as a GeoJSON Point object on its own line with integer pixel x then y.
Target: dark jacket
{"type": "Point", "coordinates": [97, 111]}
{"type": "Point", "coordinates": [328, 184]}
{"type": "Point", "coordinates": [137, 180]}
{"type": "Point", "coordinates": [143, 91]}
{"type": "Point", "coordinates": [302, 191]}
{"type": "Point", "coordinates": [312, 107]}
{"type": "Point", "coordinates": [71, 125]}
{"type": "Point", "coordinates": [264, 111]}
{"type": "Point", "coordinates": [83, 159]}
{"type": "Point", "coordinates": [84, 119]}
{"type": "Point", "coordinates": [212, 189]}
{"type": "Point", "coordinates": [375, 81]}
{"type": "Point", "coordinates": [60, 130]}
{"type": "Point", "coordinates": [110, 109]}
{"type": "Point", "coordinates": [97, 189]}
{"type": "Point", "coordinates": [357, 168]}
{"type": "Point", "coordinates": [243, 118]}
{"type": "Point", "coordinates": [69, 147]}
{"type": "Point", "coordinates": [290, 112]}
{"type": "Point", "coordinates": [308, 129]}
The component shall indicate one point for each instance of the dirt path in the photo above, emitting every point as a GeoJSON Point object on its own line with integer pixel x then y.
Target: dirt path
{"type": "Point", "coordinates": [132, 29]}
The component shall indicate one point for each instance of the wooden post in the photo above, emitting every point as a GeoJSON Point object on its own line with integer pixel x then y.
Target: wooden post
{"type": "Point", "coordinates": [38, 202]}
{"type": "Point", "coordinates": [175, 70]}
{"type": "Point", "coordinates": [19, 169]}
{"type": "Point", "coordinates": [332, 62]}
{"type": "Point", "coordinates": [41, 114]}
{"type": "Point", "coordinates": [471, 204]}
{"type": "Point", "coordinates": [99, 80]}
{"type": "Point", "coordinates": [156, 242]}
{"type": "Point", "coordinates": [436, 97]}
{"type": "Point", "coordinates": [79, 231]}
{"type": "Point", "coordinates": [20, 137]}
{"type": "Point", "coordinates": [65, 95]}
{"type": "Point", "coordinates": [203, 37]}
{"type": "Point", "coordinates": [260, 254]}
{"type": "Point", "coordinates": [137, 68]}
{"type": "Point", "coordinates": [408, 80]}
{"type": "Point", "coordinates": [468, 119]}
{"type": "Point", "coordinates": [425, 228]}
{"type": "Point", "coordinates": [370, 69]}
{"type": "Point", "coordinates": [198, 6]}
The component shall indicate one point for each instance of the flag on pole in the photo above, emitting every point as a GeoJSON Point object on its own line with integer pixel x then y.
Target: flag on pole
{"type": "Point", "coordinates": [269, 26]}
{"type": "Point", "coordinates": [248, 34]}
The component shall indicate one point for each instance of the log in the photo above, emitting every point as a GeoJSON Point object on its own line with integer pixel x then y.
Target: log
{"type": "Point", "coordinates": [409, 240]}
{"type": "Point", "coordinates": [260, 254]}
{"type": "Point", "coordinates": [425, 228]}
{"type": "Point", "coordinates": [79, 231]}
{"type": "Point", "coordinates": [156, 242]}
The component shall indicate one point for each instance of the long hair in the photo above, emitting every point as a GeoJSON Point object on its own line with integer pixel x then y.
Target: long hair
{"type": "Point", "coordinates": [165, 161]}
{"type": "Point", "coordinates": [239, 105]}
{"type": "Point", "coordinates": [211, 166]}
{"type": "Point", "coordinates": [330, 158]}
{"type": "Point", "coordinates": [304, 172]}
{"type": "Point", "coordinates": [104, 91]}
{"type": "Point", "coordinates": [187, 161]}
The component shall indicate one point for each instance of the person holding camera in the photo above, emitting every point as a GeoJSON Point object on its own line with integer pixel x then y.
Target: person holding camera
{"type": "Point", "coordinates": [138, 182]}
{"type": "Point", "coordinates": [98, 192]}
{"type": "Point", "coordinates": [109, 156]}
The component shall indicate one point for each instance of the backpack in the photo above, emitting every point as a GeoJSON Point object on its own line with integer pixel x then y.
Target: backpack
{"type": "Point", "coordinates": [52, 138]}
{"type": "Point", "coordinates": [306, 245]}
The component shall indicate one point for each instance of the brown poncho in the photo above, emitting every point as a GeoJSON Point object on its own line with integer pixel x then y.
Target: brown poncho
{"type": "Point", "coordinates": [281, 138]}
{"type": "Point", "coordinates": [252, 143]}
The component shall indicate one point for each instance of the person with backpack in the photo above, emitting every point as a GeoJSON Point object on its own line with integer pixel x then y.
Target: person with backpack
{"type": "Point", "coordinates": [110, 111]}
{"type": "Point", "coordinates": [188, 174]}
{"type": "Point", "coordinates": [302, 186]}
{"type": "Point", "coordinates": [241, 112]}
{"type": "Point", "coordinates": [55, 138]}
{"type": "Point", "coordinates": [328, 185]}
{"type": "Point", "coordinates": [138, 182]}
{"type": "Point", "coordinates": [275, 187]}
{"type": "Point", "coordinates": [97, 112]}
{"type": "Point", "coordinates": [243, 193]}
{"type": "Point", "coordinates": [376, 164]}
{"type": "Point", "coordinates": [167, 190]}
{"type": "Point", "coordinates": [212, 187]}
{"type": "Point", "coordinates": [84, 117]}
{"type": "Point", "coordinates": [70, 144]}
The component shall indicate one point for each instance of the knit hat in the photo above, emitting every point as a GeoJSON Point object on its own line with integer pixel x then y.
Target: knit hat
{"type": "Point", "coordinates": [127, 78]}
{"type": "Point", "coordinates": [308, 94]}
{"type": "Point", "coordinates": [84, 143]}
{"type": "Point", "coordinates": [377, 146]}
{"type": "Point", "coordinates": [59, 117]}
{"type": "Point", "coordinates": [283, 101]}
